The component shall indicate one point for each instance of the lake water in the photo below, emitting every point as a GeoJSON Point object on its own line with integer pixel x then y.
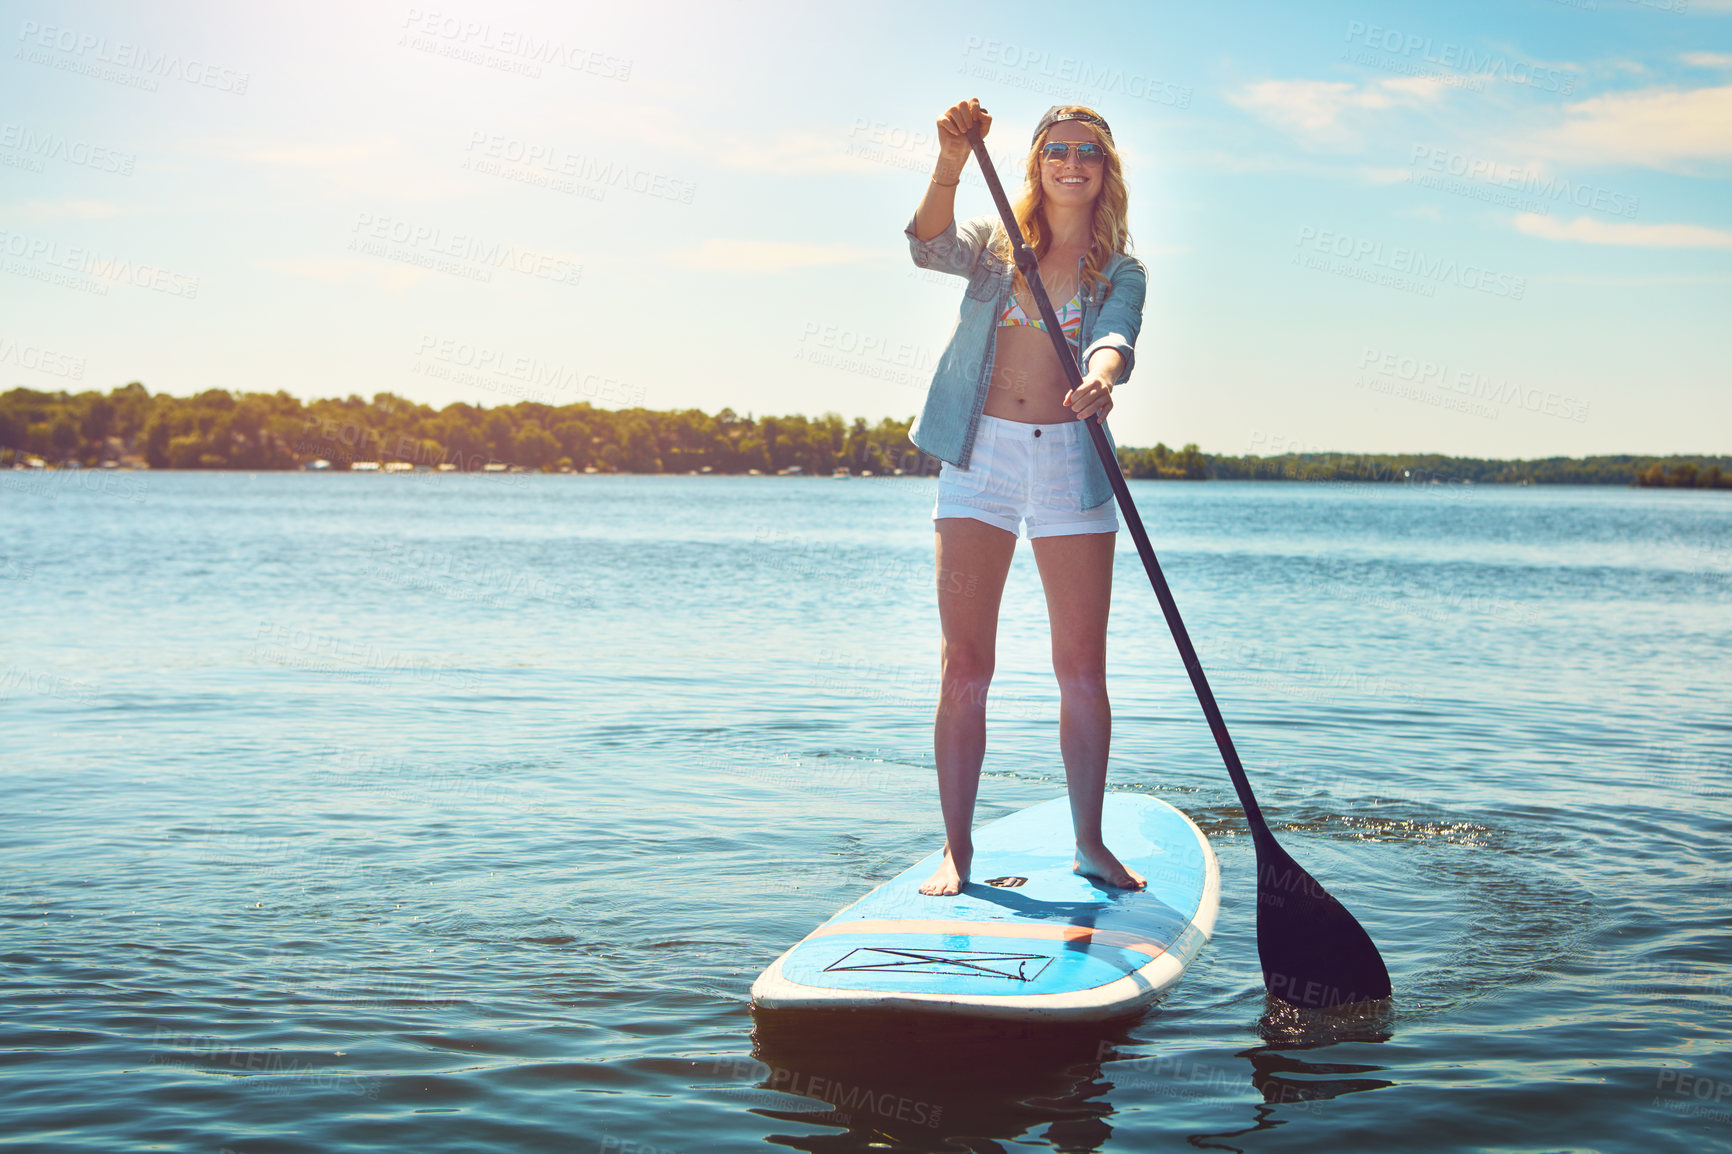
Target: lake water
{"type": "Point", "coordinates": [442, 813]}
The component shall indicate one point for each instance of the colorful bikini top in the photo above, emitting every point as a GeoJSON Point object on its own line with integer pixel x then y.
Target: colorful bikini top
{"type": "Point", "coordinates": [1069, 317]}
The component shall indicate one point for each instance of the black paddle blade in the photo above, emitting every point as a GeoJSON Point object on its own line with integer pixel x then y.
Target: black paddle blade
{"type": "Point", "coordinates": [1314, 952]}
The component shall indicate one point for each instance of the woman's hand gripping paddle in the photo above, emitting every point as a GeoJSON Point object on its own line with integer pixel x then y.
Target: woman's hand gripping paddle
{"type": "Point", "coordinates": [1314, 953]}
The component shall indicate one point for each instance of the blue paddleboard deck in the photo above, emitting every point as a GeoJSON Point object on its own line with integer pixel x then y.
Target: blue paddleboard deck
{"type": "Point", "coordinates": [1028, 937]}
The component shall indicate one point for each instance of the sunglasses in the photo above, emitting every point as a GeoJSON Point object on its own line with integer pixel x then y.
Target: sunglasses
{"type": "Point", "coordinates": [1090, 154]}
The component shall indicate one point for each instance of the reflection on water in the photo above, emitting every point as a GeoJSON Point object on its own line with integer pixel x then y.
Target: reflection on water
{"type": "Point", "coordinates": [930, 1083]}
{"type": "Point", "coordinates": [1292, 1085]}
{"type": "Point", "coordinates": [922, 1082]}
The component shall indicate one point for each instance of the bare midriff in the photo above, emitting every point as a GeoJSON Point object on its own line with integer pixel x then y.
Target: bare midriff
{"type": "Point", "coordinates": [1028, 382]}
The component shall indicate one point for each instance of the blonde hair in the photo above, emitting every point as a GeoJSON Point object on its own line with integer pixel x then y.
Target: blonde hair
{"type": "Point", "coordinates": [1110, 232]}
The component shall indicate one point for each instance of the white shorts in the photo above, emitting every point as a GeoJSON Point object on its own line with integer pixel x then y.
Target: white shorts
{"type": "Point", "coordinates": [1025, 474]}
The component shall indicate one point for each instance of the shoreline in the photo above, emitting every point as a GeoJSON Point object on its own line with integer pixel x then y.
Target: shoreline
{"type": "Point", "coordinates": [110, 468]}
{"type": "Point", "coordinates": [219, 430]}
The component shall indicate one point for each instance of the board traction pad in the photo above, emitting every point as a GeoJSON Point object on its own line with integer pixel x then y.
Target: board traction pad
{"type": "Point", "coordinates": [1049, 934]}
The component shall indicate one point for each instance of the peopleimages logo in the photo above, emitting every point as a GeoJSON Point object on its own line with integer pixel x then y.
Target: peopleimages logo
{"type": "Point", "coordinates": [868, 354]}
{"type": "Point", "coordinates": [89, 53]}
{"type": "Point", "coordinates": [462, 254]}
{"type": "Point", "coordinates": [40, 359]}
{"type": "Point", "coordinates": [1525, 181]}
{"type": "Point", "coordinates": [515, 49]}
{"type": "Point", "coordinates": [472, 362]}
{"type": "Point", "coordinates": [1038, 70]}
{"type": "Point", "coordinates": [79, 262]}
{"type": "Point", "coordinates": [556, 162]}
{"type": "Point", "coordinates": [1470, 384]}
{"type": "Point", "coordinates": [1408, 262]}
{"type": "Point", "coordinates": [43, 144]}
{"type": "Point", "coordinates": [1459, 58]}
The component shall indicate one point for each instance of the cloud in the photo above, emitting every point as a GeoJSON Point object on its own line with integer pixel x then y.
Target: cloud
{"type": "Point", "coordinates": [1637, 281]}
{"type": "Point", "coordinates": [280, 154]}
{"type": "Point", "coordinates": [63, 209]}
{"type": "Point", "coordinates": [1707, 59]}
{"type": "Point", "coordinates": [1373, 175]}
{"type": "Point", "coordinates": [769, 255]}
{"type": "Point", "coordinates": [336, 270]}
{"type": "Point", "coordinates": [375, 165]}
{"type": "Point", "coordinates": [790, 152]}
{"type": "Point", "coordinates": [1587, 230]}
{"type": "Point", "coordinates": [777, 149]}
{"type": "Point", "coordinates": [1319, 111]}
{"type": "Point", "coordinates": [306, 156]}
{"type": "Point", "coordinates": [1239, 160]}
{"type": "Point", "coordinates": [1665, 128]}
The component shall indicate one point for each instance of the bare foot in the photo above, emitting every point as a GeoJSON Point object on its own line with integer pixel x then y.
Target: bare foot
{"type": "Point", "coordinates": [949, 878]}
{"type": "Point", "coordinates": [1098, 862]}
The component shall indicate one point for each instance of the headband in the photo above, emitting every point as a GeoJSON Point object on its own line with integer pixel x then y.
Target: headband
{"type": "Point", "coordinates": [1053, 116]}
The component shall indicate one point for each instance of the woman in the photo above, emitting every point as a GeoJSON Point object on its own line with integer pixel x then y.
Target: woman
{"type": "Point", "coordinates": [1000, 415]}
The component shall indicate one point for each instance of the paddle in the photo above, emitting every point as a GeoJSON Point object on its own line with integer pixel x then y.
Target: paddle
{"type": "Point", "coordinates": [1314, 953]}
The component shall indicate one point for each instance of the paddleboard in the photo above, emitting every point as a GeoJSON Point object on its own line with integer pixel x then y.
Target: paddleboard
{"type": "Point", "coordinates": [1027, 938]}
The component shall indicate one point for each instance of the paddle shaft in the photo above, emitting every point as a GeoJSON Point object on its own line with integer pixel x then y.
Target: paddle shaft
{"type": "Point", "coordinates": [1029, 264]}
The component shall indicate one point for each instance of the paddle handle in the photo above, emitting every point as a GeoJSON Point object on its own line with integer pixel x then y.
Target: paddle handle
{"type": "Point", "coordinates": [1029, 264]}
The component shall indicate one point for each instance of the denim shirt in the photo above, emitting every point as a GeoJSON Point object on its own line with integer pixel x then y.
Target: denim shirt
{"type": "Point", "coordinates": [957, 396]}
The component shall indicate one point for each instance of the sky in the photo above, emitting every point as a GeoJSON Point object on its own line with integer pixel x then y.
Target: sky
{"type": "Point", "coordinates": [1495, 229]}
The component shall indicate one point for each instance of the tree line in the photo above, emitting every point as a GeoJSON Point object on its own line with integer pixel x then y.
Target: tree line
{"type": "Point", "coordinates": [219, 429]}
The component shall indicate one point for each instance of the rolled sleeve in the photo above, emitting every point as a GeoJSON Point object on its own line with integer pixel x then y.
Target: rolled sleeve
{"type": "Point", "coordinates": [1121, 316]}
{"type": "Point", "coordinates": [955, 250]}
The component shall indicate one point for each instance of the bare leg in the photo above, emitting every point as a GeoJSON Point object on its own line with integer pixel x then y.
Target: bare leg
{"type": "Point", "coordinates": [1077, 573]}
{"type": "Point", "coordinates": [973, 559]}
